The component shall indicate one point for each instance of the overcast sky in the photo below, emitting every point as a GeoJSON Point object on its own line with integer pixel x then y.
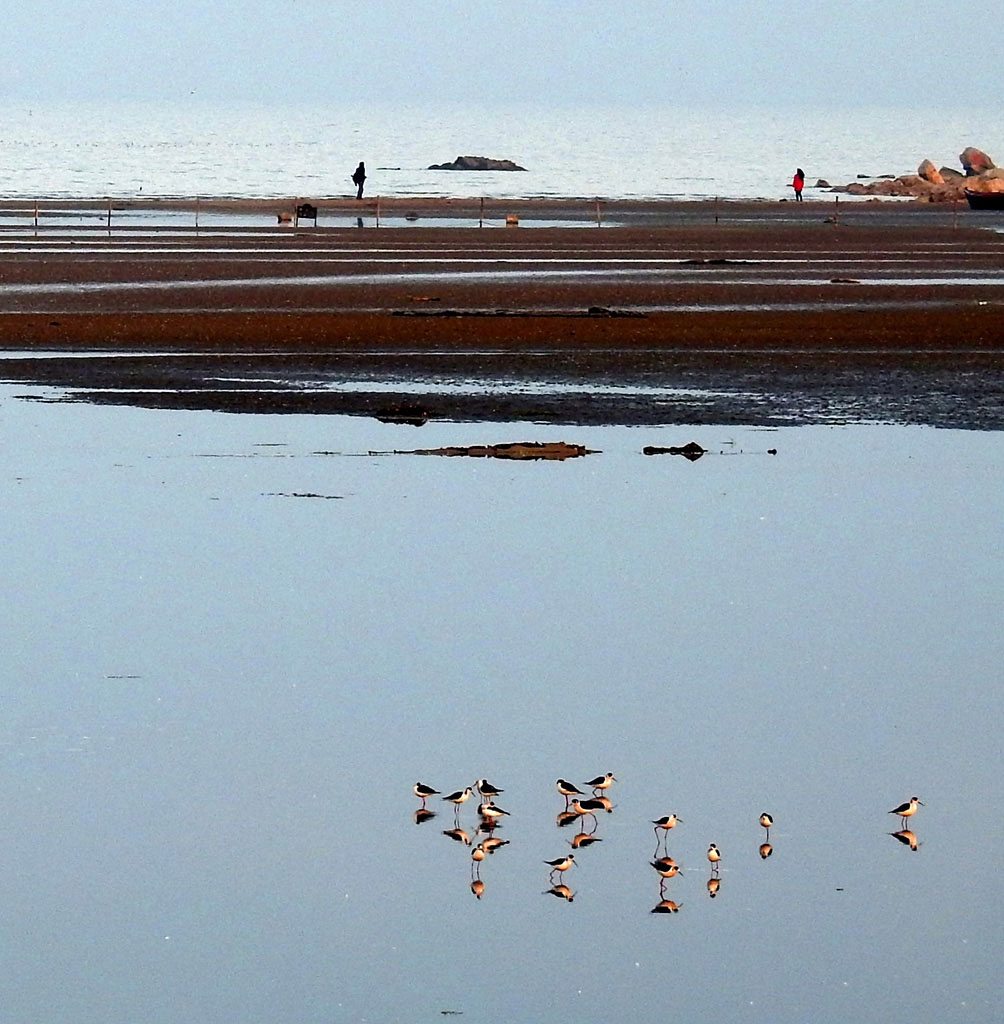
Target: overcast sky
{"type": "Point", "coordinates": [637, 51]}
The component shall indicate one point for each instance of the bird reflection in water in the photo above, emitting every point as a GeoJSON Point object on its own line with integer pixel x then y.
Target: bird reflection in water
{"type": "Point", "coordinates": [561, 891]}
{"type": "Point", "coordinates": [493, 843]}
{"type": "Point", "coordinates": [666, 867]}
{"type": "Point", "coordinates": [907, 838]}
{"type": "Point", "coordinates": [666, 907]}
{"type": "Point", "coordinates": [478, 888]}
{"type": "Point", "coordinates": [566, 818]}
{"type": "Point", "coordinates": [765, 850]}
{"type": "Point", "coordinates": [584, 839]}
{"type": "Point", "coordinates": [423, 814]}
{"type": "Point", "coordinates": [714, 884]}
{"type": "Point", "coordinates": [458, 835]}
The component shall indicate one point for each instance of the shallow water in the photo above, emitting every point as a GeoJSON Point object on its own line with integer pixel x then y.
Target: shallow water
{"type": "Point", "coordinates": [228, 658]}
{"type": "Point", "coordinates": [191, 148]}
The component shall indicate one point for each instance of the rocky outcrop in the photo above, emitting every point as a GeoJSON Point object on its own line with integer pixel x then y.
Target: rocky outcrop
{"type": "Point", "coordinates": [477, 163]}
{"type": "Point", "coordinates": [975, 161]}
{"type": "Point", "coordinates": [930, 173]}
{"type": "Point", "coordinates": [933, 185]}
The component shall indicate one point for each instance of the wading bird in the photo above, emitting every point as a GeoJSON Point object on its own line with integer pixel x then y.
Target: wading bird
{"type": "Point", "coordinates": [907, 809]}
{"type": "Point", "coordinates": [424, 792]}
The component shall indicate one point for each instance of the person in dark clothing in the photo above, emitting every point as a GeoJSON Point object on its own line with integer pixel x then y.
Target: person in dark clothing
{"type": "Point", "coordinates": [359, 178]}
{"type": "Point", "coordinates": [797, 184]}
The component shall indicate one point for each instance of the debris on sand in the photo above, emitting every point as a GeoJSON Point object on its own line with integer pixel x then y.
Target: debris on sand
{"type": "Point", "coordinates": [692, 450]}
{"type": "Point", "coordinates": [521, 451]}
{"type": "Point", "coordinates": [405, 412]}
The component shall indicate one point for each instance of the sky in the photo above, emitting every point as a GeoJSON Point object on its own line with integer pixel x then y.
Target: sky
{"type": "Point", "coordinates": [762, 52]}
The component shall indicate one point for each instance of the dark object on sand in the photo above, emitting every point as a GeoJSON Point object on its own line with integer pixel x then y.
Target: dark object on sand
{"type": "Point", "coordinates": [520, 450]}
{"type": "Point", "coordinates": [692, 451]}
{"type": "Point", "coordinates": [985, 200]}
{"type": "Point", "coordinates": [477, 163]}
{"type": "Point", "coordinates": [407, 413]}
{"type": "Point", "coordinates": [307, 211]}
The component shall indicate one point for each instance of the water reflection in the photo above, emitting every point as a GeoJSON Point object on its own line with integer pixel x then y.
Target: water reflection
{"type": "Point", "coordinates": [765, 850]}
{"type": "Point", "coordinates": [666, 907]}
{"type": "Point", "coordinates": [458, 835]}
{"type": "Point", "coordinates": [561, 891]}
{"type": "Point", "coordinates": [907, 838]}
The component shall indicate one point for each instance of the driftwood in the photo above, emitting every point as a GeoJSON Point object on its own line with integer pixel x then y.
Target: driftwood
{"type": "Point", "coordinates": [521, 450]}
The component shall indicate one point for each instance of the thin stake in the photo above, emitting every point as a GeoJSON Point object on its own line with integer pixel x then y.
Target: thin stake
{"type": "Point", "coordinates": [378, 212]}
{"type": "Point", "coordinates": [716, 209]}
{"type": "Point", "coordinates": [109, 201]}
{"type": "Point", "coordinates": [481, 215]}
{"type": "Point", "coordinates": [599, 221]}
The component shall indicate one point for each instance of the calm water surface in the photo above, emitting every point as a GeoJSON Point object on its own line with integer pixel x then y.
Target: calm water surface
{"type": "Point", "coordinates": [658, 151]}
{"type": "Point", "coordinates": [227, 659]}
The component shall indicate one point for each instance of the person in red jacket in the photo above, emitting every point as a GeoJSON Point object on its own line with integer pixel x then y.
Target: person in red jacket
{"type": "Point", "coordinates": [797, 183]}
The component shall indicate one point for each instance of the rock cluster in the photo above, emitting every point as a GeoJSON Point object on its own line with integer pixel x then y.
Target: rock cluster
{"type": "Point", "coordinates": [937, 185]}
{"type": "Point", "coordinates": [477, 163]}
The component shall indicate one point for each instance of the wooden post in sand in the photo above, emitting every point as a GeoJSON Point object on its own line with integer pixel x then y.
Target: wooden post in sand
{"type": "Point", "coordinates": [716, 209]}
{"type": "Point", "coordinates": [378, 212]}
{"type": "Point", "coordinates": [108, 199]}
{"type": "Point", "coordinates": [481, 214]}
{"type": "Point", "coordinates": [36, 216]}
{"type": "Point", "coordinates": [599, 219]}
{"type": "Point", "coordinates": [836, 211]}
{"type": "Point", "coordinates": [196, 213]}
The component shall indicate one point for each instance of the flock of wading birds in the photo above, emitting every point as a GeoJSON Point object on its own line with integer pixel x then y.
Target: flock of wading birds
{"type": "Point", "coordinates": [578, 808]}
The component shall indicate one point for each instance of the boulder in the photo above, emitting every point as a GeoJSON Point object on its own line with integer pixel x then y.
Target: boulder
{"type": "Point", "coordinates": [975, 161]}
{"type": "Point", "coordinates": [930, 173]}
{"type": "Point", "coordinates": [476, 163]}
{"type": "Point", "coordinates": [950, 173]}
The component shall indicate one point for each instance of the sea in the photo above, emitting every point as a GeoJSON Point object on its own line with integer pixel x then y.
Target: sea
{"type": "Point", "coordinates": [179, 149]}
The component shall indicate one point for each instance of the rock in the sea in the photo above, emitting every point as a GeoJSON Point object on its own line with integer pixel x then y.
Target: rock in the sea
{"type": "Point", "coordinates": [975, 161]}
{"type": "Point", "coordinates": [930, 173]}
{"type": "Point", "coordinates": [477, 163]}
{"type": "Point", "coordinates": [951, 173]}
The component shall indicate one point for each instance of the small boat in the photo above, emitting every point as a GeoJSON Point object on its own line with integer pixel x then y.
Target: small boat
{"type": "Point", "coordinates": [985, 200]}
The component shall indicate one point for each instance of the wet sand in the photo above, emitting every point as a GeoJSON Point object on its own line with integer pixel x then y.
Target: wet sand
{"type": "Point", "coordinates": [758, 291]}
{"type": "Point", "coordinates": [885, 276]}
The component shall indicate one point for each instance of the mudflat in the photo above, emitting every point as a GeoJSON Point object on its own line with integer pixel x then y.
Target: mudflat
{"type": "Point", "coordinates": [839, 277]}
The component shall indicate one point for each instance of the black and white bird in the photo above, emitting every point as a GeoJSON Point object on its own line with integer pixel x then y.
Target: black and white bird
{"type": "Point", "coordinates": [908, 809]}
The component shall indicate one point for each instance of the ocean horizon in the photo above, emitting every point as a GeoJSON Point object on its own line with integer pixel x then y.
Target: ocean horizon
{"type": "Point", "coordinates": [179, 149]}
